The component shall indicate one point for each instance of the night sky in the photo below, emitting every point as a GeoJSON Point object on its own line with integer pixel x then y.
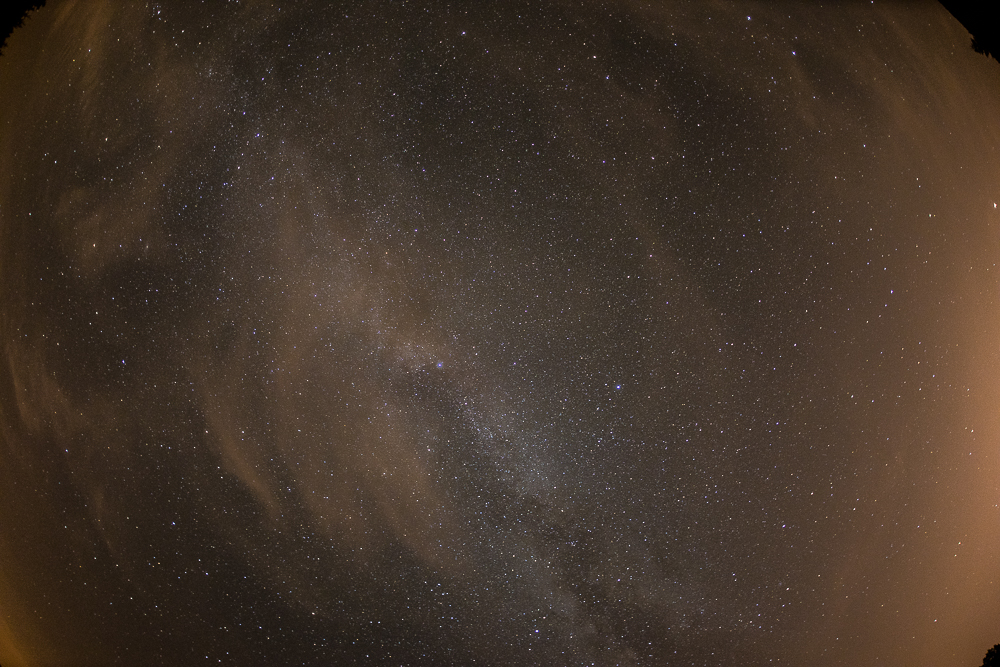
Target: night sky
{"type": "Point", "coordinates": [514, 333]}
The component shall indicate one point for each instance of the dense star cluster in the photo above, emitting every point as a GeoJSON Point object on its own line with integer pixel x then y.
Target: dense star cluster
{"type": "Point", "coordinates": [541, 333]}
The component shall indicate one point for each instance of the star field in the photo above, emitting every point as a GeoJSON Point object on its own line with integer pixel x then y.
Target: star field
{"type": "Point", "coordinates": [547, 333]}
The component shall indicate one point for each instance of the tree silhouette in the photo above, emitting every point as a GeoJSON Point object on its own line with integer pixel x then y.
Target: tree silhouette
{"type": "Point", "coordinates": [13, 14]}
{"type": "Point", "coordinates": [981, 20]}
{"type": "Point", "coordinates": [992, 658]}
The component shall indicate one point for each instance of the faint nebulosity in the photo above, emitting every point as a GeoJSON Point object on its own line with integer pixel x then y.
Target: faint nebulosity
{"type": "Point", "coordinates": [541, 333]}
